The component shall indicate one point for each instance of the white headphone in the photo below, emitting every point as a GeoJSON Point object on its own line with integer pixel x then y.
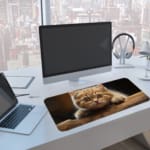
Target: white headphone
{"type": "Point", "coordinates": [126, 54]}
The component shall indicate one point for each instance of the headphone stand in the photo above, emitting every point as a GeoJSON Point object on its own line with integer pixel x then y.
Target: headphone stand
{"type": "Point", "coordinates": [123, 54]}
{"type": "Point", "coordinates": [122, 61]}
{"type": "Point", "coordinates": [119, 66]}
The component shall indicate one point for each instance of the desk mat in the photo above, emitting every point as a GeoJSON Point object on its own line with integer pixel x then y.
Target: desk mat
{"type": "Point", "coordinates": [82, 106]}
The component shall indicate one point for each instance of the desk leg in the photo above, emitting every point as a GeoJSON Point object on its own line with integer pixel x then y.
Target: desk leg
{"type": "Point", "coordinates": [146, 135]}
{"type": "Point", "coordinates": [144, 139]}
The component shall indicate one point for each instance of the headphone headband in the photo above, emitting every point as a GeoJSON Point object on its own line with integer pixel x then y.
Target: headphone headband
{"type": "Point", "coordinates": [122, 34]}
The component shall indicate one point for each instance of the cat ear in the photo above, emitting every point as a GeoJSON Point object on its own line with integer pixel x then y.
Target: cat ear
{"type": "Point", "coordinates": [73, 93]}
{"type": "Point", "coordinates": [102, 87]}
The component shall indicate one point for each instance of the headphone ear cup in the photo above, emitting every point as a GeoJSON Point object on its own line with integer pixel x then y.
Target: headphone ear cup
{"type": "Point", "coordinates": [116, 55]}
{"type": "Point", "coordinates": [128, 55]}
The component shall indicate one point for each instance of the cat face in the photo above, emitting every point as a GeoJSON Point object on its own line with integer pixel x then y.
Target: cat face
{"type": "Point", "coordinates": [91, 98]}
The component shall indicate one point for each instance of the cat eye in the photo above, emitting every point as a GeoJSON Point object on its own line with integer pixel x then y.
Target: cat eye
{"type": "Point", "coordinates": [99, 95]}
{"type": "Point", "coordinates": [86, 98]}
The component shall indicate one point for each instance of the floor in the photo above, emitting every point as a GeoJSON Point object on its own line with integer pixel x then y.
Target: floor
{"type": "Point", "coordinates": [129, 144]}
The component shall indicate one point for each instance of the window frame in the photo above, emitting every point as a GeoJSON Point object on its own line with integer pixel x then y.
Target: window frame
{"type": "Point", "coordinates": [45, 12]}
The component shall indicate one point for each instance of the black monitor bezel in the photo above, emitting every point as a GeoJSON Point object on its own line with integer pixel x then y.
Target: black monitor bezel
{"type": "Point", "coordinates": [65, 25]}
{"type": "Point", "coordinates": [2, 77]}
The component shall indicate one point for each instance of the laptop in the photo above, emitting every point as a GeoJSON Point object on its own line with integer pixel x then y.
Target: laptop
{"type": "Point", "coordinates": [16, 117]}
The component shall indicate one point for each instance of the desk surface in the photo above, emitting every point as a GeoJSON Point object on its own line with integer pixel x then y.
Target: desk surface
{"type": "Point", "coordinates": [95, 135]}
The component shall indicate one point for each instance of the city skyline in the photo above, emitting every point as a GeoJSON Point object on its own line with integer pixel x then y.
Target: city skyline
{"type": "Point", "coordinates": [20, 19]}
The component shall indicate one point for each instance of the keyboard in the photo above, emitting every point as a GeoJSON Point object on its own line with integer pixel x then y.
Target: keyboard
{"type": "Point", "coordinates": [16, 116]}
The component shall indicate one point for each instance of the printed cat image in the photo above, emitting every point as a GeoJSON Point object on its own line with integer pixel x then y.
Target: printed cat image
{"type": "Point", "coordinates": [93, 98]}
{"type": "Point", "coordinates": [79, 107]}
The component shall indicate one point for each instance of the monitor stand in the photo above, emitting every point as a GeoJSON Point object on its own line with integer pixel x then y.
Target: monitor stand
{"type": "Point", "coordinates": [118, 66]}
{"type": "Point", "coordinates": [81, 83]}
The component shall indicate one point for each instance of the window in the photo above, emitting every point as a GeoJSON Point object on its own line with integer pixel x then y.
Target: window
{"type": "Point", "coordinates": [19, 21]}
{"type": "Point", "coordinates": [131, 16]}
{"type": "Point", "coordinates": [19, 45]}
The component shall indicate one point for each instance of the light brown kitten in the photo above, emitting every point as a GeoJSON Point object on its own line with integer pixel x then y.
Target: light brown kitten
{"type": "Point", "coordinates": [93, 98]}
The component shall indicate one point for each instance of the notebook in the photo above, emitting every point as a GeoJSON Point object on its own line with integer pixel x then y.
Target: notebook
{"type": "Point", "coordinates": [14, 116]}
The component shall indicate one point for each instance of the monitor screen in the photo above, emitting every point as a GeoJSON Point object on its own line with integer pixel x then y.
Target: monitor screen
{"type": "Point", "coordinates": [75, 47]}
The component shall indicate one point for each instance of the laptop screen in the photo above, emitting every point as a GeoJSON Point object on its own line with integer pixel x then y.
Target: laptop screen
{"type": "Point", "coordinates": [7, 97]}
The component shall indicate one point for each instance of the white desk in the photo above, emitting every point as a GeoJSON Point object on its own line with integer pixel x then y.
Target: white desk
{"type": "Point", "coordinates": [92, 136]}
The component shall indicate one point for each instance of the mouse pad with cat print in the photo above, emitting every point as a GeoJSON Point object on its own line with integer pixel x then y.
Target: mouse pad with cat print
{"type": "Point", "coordinates": [81, 106]}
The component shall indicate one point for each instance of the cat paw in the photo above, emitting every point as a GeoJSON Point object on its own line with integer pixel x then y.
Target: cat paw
{"type": "Point", "coordinates": [81, 114]}
{"type": "Point", "coordinates": [117, 99]}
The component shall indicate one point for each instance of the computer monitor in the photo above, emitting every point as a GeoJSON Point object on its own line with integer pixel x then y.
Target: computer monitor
{"type": "Point", "coordinates": [71, 51]}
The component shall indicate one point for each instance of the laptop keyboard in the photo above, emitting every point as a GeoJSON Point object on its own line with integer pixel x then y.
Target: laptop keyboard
{"type": "Point", "coordinates": [15, 117]}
